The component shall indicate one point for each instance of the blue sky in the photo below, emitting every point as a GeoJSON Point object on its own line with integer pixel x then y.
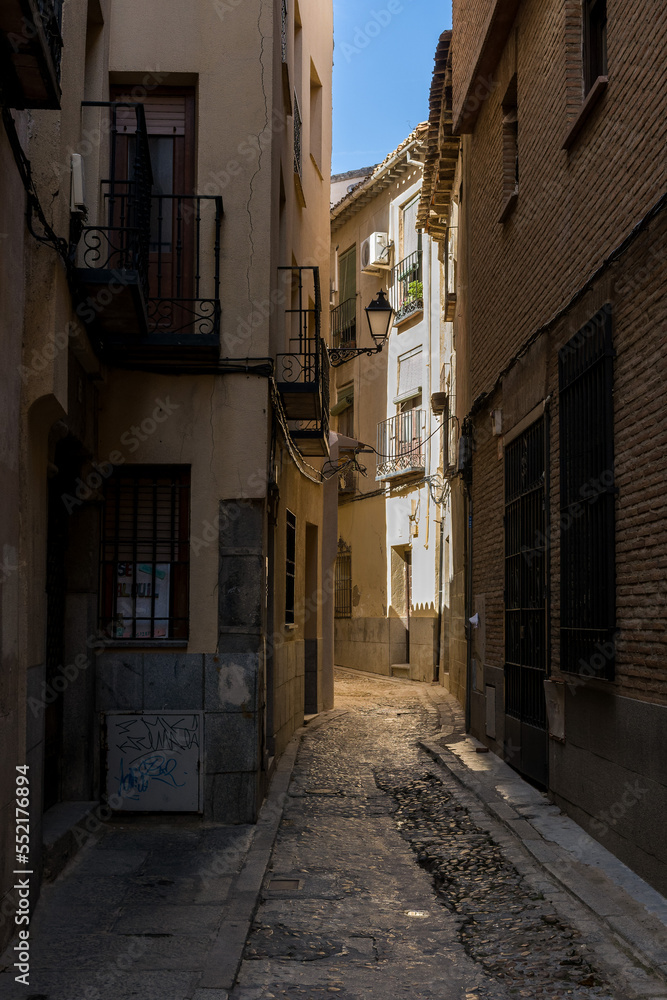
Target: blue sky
{"type": "Point", "coordinates": [383, 60]}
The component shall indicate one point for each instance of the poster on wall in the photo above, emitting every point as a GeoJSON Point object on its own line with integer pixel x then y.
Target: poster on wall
{"type": "Point", "coordinates": [134, 600]}
{"type": "Point", "coordinates": [153, 761]}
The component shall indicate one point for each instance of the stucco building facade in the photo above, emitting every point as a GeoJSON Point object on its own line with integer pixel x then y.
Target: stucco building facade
{"type": "Point", "coordinates": [164, 406]}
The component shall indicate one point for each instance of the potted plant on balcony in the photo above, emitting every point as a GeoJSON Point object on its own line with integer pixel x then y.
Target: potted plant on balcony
{"type": "Point", "coordinates": [413, 301]}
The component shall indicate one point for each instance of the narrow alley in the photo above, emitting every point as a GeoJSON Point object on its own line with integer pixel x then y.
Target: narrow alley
{"type": "Point", "coordinates": [387, 878]}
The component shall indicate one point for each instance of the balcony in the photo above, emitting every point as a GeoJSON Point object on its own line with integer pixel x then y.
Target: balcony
{"type": "Point", "coordinates": [344, 324]}
{"type": "Point", "coordinates": [400, 445]}
{"type": "Point", "coordinates": [30, 50]}
{"type": "Point", "coordinates": [148, 265]}
{"type": "Point", "coordinates": [302, 374]}
{"type": "Point", "coordinates": [407, 288]}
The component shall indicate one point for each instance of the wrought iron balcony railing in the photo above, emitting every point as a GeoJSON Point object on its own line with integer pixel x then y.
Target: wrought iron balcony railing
{"type": "Point", "coordinates": [302, 374]}
{"type": "Point", "coordinates": [400, 445]}
{"type": "Point", "coordinates": [344, 324]}
{"type": "Point", "coordinates": [30, 52]}
{"type": "Point", "coordinates": [159, 254]}
{"type": "Point", "coordinates": [297, 137]}
{"type": "Point", "coordinates": [407, 287]}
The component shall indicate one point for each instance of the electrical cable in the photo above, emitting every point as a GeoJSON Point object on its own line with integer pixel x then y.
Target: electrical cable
{"type": "Point", "coordinates": [34, 206]}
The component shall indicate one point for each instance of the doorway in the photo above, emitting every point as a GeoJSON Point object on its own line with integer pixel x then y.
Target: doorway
{"type": "Point", "coordinates": [174, 216]}
{"type": "Point", "coordinates": [311, 621]}
{"type": "Point", "coordinates": [401, 603]}
{"type": "Point", "coordinates": [57, 539]}
{"type": "Point", "coordinates": [526, 660]}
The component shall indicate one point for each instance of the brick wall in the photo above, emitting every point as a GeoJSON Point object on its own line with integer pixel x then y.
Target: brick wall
{"type": "Point", "coordinates": [529, 284]}
{"type": "Point", "coordinates": [570, 212]}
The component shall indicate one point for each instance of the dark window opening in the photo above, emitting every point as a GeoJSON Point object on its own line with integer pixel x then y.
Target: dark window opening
{"type": "Point", "coordinates": [146, 553]}
{"type": "Point", "coordinates": [343, 588]}
{"type": "Point", "coordinates": [290, 566]}
{"type": "Point", "coordinates": [595, 41]}
{"type": "Point", "coordinates": [587, 500]}
{"type": "Point", "coordinates": [510, 142]}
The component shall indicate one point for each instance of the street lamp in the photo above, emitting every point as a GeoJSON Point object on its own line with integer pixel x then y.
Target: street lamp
{"type": "Point", "coordinates": [379, 314]}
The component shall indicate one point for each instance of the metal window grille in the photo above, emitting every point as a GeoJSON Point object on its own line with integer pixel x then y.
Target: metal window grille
{"type": "Point", "coordinates": [595, 41]}
{"type": "Point", "coordinates": [297, 136]}
{"type": "Point", "coordinates": [344, 324]}
{"type": "Point", "coordinates": [145, 553]}
{"type": "Point", "coordinates": [283, 31]}
{"type": "Point", "coordinates": [525, 576]}
{"type": "Point", "coordinates": [343, 590]}
{"type": "Point", "coordinates": [587, 494]}
{"type": "Point", "coordinates": [290, 566]}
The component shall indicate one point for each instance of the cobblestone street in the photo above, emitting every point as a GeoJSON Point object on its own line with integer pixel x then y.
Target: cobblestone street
{"type": "Point", "coordinates": [382, 883]}
{"type": "Point", "coordinates": [373, 871]}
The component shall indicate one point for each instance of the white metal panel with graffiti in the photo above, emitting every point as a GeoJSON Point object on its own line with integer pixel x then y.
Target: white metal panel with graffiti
{"type": "Point", "coordinates": [154, 761]}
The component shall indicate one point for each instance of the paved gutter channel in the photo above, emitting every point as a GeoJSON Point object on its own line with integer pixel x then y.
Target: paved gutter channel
{"type": "Point", "coordinates": [225, 956]}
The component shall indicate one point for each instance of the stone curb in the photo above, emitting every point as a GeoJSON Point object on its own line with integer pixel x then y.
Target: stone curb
{"type": "Point", "coordinates": [641, 933]}
{"type": "Point", "coordinates": [226, 954]}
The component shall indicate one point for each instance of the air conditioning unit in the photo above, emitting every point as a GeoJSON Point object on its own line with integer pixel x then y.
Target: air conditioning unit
{"type": "Point", "coordinates": [376, 252]}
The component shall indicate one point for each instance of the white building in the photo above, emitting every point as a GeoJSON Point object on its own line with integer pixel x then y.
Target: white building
{"type": "Point", "coordinates": [393, 570]}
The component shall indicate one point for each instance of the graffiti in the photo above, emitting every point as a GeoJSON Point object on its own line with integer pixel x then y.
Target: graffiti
{"type": "Point", "coordinates": [153, 760]}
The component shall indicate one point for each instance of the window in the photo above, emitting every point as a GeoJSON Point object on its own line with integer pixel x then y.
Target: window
{"type": "Point", "coordinates": [587, 492]}
{"type": "Point", "coordinates": [347, 274]}
{"type": "Point", "coordinates": [344, 316]}
{"type": "Point", "coordinates": [410, 237]}
{"type": "Point", "coordinates": [315, 117]}
{"type": "Point", "coordinates": [283, 31]}
{"type": "Point", "coordinates": [297, 136]}
{"type": "Point", "coordinates": [290, 566]}
{"type": "Point", "coordinates": [407, 291]}
{"type": "Point", "coordinates": [345, 411]}
{"type": "Point", "coordinates": [510, 149]}
{"type": "Point", "coordinates": [409, 374]}
{"type": "Point", "coordinates": [595, 41]}
{"type": "Point", "coordinates": [145, 553]}
{"type": "Point", "coordinates": [343, 587]}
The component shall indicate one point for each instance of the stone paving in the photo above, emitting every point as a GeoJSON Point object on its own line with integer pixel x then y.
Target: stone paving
{"type": "Point", "coordinates": [134, 914]}
{"type": "Point", "coordinates": [387, 879]}
{"type": "Point", "coordinates": [383, 885]}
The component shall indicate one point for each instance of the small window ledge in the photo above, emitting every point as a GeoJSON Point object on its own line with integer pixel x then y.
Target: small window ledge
{"type": "Point", "coordinates": [145, 643]}
{"type": "Point", "coordinates": [594, 95]}
{"type": "Point", "coordinates": [317, 167]}
{"type": "Point", "coordinates": [509, 206]}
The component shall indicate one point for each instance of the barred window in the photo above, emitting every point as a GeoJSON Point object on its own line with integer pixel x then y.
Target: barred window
{"type": "Point", "coordinates": [290, 566]}
{"type": "Point", "coordinates": [595, 41]}
{"type": "Point", "coordinates": [343, 592]}
{"type": "Point", "coordinates": [587, 494]}
{"type": "Point", "coordinates": [145, 553]}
